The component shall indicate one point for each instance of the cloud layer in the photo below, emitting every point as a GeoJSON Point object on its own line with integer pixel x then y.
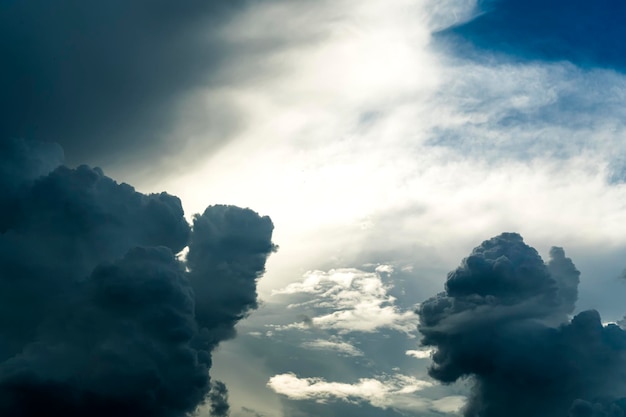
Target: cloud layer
{"type": "Point", "coordinates": [106, 80]}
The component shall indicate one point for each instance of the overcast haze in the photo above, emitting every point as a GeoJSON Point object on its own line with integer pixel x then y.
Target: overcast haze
{"type": "Point", "coordinates": [313, 208]}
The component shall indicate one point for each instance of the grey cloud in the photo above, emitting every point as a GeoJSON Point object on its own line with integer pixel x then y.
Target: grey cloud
{"type": "Point", "coordinates": [119, 346]}
{"type": "Point", "coordinates": [567, 278]}
{"type": "Point", "coordinates": [252, 412]}
{"type": "Point", "coordinates": [21, 162]}
{"type": "Point", "coordinates": [104, 79]}
{"type": "Point", "coordinates": [218, 397]}
{"type": "Point", "coordinates": [97, 315]}
{"type": "Point", "coordinates": [581, 408]}
{"type": "Point", "coordinates": [498, 324]}
{"type": "Point", "coordinates": [232, 245]}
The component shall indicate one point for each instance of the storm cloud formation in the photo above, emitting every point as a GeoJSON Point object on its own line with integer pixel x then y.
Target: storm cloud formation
{"type": "Point", "coordinates": [98, 317]}
{"type": "Point", "coordinates": [104, 78]}
{"type": "Point", "coordinates": [586, 33]}
{"type": "Point", "coordinates": [502, 321]}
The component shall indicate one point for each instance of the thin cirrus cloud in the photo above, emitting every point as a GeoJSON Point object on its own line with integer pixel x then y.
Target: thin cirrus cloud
{"type": "Point", "coordinates": [534, 79]}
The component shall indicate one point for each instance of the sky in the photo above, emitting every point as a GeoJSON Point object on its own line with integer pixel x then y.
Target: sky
{"type": "Point", "coordinates": [288, 208]}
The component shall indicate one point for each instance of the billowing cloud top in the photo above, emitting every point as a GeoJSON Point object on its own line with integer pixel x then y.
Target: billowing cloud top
{"type": "Point", "coordinates": [97, 315]}
{"type": "Point", "coordinates": [586, 33]}
{"type": "Point", "coordinates": [502, 322]}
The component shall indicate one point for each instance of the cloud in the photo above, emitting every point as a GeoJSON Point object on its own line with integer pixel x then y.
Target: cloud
{"type": "Point", "coordinates": [451, 404]}
{"type": "Point", "coordinates": [401, 393]}
{"type": "Point", "coordinates": [348, 300]}
{"type": "Point", "coordinates": [491, 110]}
{"type": "Point", "coordinates": [440, 134]}
{"type": "Point", "coordinates": [567, 278]}
{"type": "Point", "coordinates": [333, 344]}
{"type": "Point", "coordinates": [378, 392]}
{"type": "Point", "coordinates": [496, 107]}
{"type": "Point", "coordinates": [97, 314]}
{"type": "Point", "coordinates": [585, 33]}
{"type": "Point", "coordinates": [21, 162]}
{"type": "Point", "coordinates": [252, 412]}
{"type": "Point", "coordinates": [420, 354]}
{"type": "Point", "coordinates": [108, 80]}
{"type": "Point", "coordinates": [232, 245]}
{"type": "Point", "coordinates": [218, 398]}
{"type": "Point", "coordinates": [502, 322]}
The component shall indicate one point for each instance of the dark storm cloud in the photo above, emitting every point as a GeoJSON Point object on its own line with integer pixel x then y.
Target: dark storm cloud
{"type": "Point", "coordinates": [97, 315]}
{"type": "Point", "coordinates": [232, 243]}
{"type": "Point", "coordinates": [20, 163]}
{"type": "Point", "coordinates": [103, 79]}
{"type": "Point", "coordinates": [586, 33]}
{"type": "Point", "coordinates": [497, 322]}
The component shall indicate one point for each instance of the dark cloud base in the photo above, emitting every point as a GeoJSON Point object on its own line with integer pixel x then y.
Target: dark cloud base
{"type": "Point", "coordinates": [586, 33]}
{"type": "Point", "coordinates": [98, 316]}
{"type": "Point", "coordinates": [503, 322]}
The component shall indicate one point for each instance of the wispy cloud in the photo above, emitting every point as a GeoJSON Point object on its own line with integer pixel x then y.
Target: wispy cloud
{"type": "Point", "coordinates": [333, 344]}
{"type": "Point", "coordinates": [349, 300]}
{"type": "Point", "coordinates": [391, 391]}
{"type": "Point", "coordinates": [374, 391]}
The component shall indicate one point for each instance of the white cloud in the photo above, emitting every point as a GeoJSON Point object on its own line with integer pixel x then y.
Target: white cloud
{"type": "Point", "coordinates": [450, 404]}
{"type": "Point", "coordinates": [349, 300]}
{"type": "Point", "coordinates": [396, 391]}
{"type": "Point", "coordinates": [333, 344]}
{"type": "Point", "coordinates": [420, 354]}
{"type": "Point", "coordinates": [388, 269]}
{"type": "Point", "coordinates": [375, 391]}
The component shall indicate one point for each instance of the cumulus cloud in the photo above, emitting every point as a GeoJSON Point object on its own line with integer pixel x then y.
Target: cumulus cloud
{"type": "Point", "coordinates": [97, 314]}
{"type": "Point", "coordinates": [420, 354]}
{"type": "Point", "coordinates": [349, 300]}
{"type": "Point", "coordinates": [378, 392]}
{"type": "Point", "coordinates": [401, 393]}
{"type": "Point", "coordinates": [502, 322]}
